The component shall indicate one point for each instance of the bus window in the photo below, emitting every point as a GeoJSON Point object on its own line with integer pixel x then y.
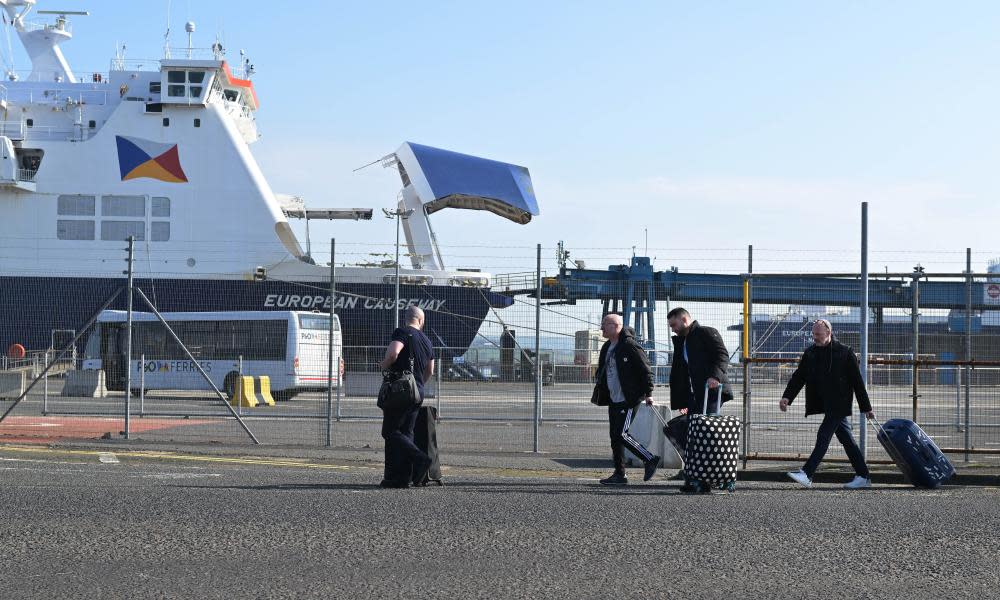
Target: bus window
{"type": "Point", "coordinates": [321, 322]}
{"type": "Point", "coordinates": [199, 337]}
{"type": "Point", "coordinates": [232, 339]}
{"type": "Point", "coordinates": [148, 338]}
{"type": "Point", "coordinates": [268, 340]}
{"type": "Point", "coordinates": [92, 351]}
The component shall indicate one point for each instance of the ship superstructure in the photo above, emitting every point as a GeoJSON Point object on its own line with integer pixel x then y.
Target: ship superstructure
{"type": "Point", "coordinates": [159, 151]}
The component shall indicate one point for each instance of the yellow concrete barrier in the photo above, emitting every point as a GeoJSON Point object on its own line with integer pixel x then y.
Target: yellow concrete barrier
{"type": "Point", "coordinates": [244, 394]}
{"type": "Point", "coordinates": [263, 390]}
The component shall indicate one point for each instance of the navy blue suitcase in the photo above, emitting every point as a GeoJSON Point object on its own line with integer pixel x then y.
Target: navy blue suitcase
{"type": "Point", "coordinates": [915, 453]}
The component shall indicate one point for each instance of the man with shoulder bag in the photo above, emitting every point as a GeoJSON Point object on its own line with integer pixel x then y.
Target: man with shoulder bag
{"type": "Point", "coordinates": [408, 363]}
{"type": "Point", "coordinates": [624, 381]}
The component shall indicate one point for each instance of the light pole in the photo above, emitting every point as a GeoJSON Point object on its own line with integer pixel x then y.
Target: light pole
{"type": "Point", "coordinates": [397, 214]}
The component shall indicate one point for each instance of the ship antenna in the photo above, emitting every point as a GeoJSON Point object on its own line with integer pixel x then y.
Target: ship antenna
{"type": "Point", "coordinates": [166, 36]}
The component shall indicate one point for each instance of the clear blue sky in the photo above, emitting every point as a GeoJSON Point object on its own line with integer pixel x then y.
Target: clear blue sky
{"type": "Point", "coordinates": [712, 124]}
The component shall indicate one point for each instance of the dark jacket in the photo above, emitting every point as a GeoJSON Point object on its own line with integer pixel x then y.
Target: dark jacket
{"type": "Point", "coordinates": [707, 357]}
{"type": "Point", "coordinates": [634, 372]}
{"type": "Point", "coordinates": [831, 376]}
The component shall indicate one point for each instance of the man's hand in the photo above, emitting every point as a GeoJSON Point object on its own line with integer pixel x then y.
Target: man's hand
{"type": "Point", "coordinates": [713, 383]}
{"type": "Point", "coordinates": [783, 405]}
{"type": "Point", "coordinates": [649, 400]}
{"type": "Point", "coordinates": [683, 411]}
{"type": "Point", "coordinates": [870, 414]}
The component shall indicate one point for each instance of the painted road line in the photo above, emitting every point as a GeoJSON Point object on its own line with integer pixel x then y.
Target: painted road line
{"type": "Point", "coordinates": [107, 458]}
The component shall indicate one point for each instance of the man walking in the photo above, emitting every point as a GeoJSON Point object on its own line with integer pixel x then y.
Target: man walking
{"type": "Point", "coordinates": [624, 381]}
{"type": "Point", "coordinates": [700, 357]}
{"type": "Point", "coordinates": [408, 343]}
{"type": "Point", "coordinates": [829, 371]}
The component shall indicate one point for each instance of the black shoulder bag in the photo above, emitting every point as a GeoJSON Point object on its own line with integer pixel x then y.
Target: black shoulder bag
{"type": "Point", "coordinates": [399, 390]}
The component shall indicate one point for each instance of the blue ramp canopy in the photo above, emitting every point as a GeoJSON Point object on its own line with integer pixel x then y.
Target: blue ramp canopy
{"type": "Point", "coordinates": [445, 179]}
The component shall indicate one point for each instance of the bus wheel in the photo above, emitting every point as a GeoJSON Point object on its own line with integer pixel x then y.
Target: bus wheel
{"type": "Point", "coordinates": [230, 382]}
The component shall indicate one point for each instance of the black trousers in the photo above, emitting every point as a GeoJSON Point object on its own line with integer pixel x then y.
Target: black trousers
{"type": "Point", "coordinates": [619, 420]}
{"type": "Point", "coordinates": [841, 427]}
{"type": "Point", "coordinates": [401, 454]}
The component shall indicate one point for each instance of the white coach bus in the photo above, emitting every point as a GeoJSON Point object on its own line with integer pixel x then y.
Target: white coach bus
{"type": "Point", "coordinates": [290, 347]}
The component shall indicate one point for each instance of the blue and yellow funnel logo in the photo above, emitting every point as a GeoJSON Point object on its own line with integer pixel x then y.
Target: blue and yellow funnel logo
{"type": "Point", "coordinates": [143, 158]}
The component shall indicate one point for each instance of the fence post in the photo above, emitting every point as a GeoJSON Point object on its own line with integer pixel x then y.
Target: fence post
{"type": "Point", "coordinates": [128, 337]}
{"type": "Point", "coordinates": [239, 385]}
{"type": "Point", "coordinates": [142, 385]}
{"type": "Point", "coordinates": [440, 365]}
{"type": "Point", "coordinates": [538, 342]}
{"type": "Point", "coordinates": [747, 368]}
{"type": "Point", "coordinates": [968, 351]}
{"type": "Point", "coordinates": [862, 425]}
{"type": "Point", "coordinates": [330, 347]}
{"type": "Point", "coordinates": [915, 342]}
{"type": "Point", "coordinates": [958, 398]}
{"type": "Point", "coordinates": [45, 393]}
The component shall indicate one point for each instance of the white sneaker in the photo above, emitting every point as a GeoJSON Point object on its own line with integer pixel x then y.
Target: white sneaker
{"type": "Point", "coordinates": [801, 478]}
{"type": "Point", "coordinates": [859, 483]}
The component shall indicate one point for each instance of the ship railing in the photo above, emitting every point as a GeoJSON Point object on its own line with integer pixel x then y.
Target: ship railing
{"type": "Point", "coordinates": [173, 53]}
{"type": "Point", "coordinates": [14, 130]}
{"type": "Point", "coordinates": [27, 175]}
{"type": "Point", "coordinates": [58, 133]}
{"type": "Point", "coordinates": [135, 64]}
{"type": "Point", "coordinates": [515, 281]}
{"type": "Point", "coordinates": [185, 53]}
{"type": "Point", "coordinates": [61, 95]}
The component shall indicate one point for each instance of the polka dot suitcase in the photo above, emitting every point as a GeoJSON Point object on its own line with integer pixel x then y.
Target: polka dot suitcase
{"type": "Point", "coordinates": [713, 449]}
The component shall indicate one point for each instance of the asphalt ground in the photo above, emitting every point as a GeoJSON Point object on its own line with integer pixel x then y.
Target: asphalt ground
{"type": "Point", "coordinates": [117, 523]}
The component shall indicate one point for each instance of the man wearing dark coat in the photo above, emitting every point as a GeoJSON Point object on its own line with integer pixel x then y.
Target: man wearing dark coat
{"type": "Point", "coordinates": [699, 365]}
{"type": "Point", "coordinates": [700, 358]}
{"type": "Point", "coordinates": [829, 371]}
{"type": "Point", "coordinates": [624, 381]}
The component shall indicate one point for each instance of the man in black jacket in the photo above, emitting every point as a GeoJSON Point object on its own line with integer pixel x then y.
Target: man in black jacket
{"type": "Point", "coordinates": [829, 371]}
{"type": "Point", "coordinates": [624, 381]}
{"type": "Point", "coordinates": [700, 357]}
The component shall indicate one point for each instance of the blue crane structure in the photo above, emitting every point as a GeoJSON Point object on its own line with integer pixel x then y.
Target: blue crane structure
{"type": "Point", "coordinates": [634, 289]}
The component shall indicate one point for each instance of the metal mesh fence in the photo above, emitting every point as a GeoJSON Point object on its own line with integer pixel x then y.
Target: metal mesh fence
{"type": "Point", "coordinates": [512, 374]}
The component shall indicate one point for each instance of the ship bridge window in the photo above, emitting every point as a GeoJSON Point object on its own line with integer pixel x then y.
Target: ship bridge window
{"type": "Point", "coordinates": [196, 76]}
{"type": "Point", "coordinates": [74, 230]}
{"type": "Point", "coordinates": [231, 95]}
{"type": "Point", "coordinates": [175, 76]}
{"type": "Point", "coordinates": [195, 91]}
{"type": "Point", "coordinates": [175, 91]}
{"type": "Point", "coordinates": [123, 206]}
{"type": "Point", "coordinates": [154, 87]}
{"type": "Point", "coordinates": [160, 207]}
{"type": "Point", "coordinates": [159, 231]}
{"type": "Point", "coordinates": [119, 231]}
{"type": "Point", "coordinates": [77, 206]}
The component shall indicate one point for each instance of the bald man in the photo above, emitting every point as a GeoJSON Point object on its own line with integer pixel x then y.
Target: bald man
{"type": "Point", "coordinates": [409, 343]}
{"type": "Point", "coordinates": [830, 373]}
{"type": "Point", "coordinates": [624, 381]}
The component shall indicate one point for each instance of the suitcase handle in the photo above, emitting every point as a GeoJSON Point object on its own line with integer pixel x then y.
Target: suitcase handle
{"type": "Point", "coordinates": [704, 407]}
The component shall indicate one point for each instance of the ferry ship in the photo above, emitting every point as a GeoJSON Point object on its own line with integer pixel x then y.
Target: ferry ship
{"type": "Point", "coordinates": [162, 155]}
